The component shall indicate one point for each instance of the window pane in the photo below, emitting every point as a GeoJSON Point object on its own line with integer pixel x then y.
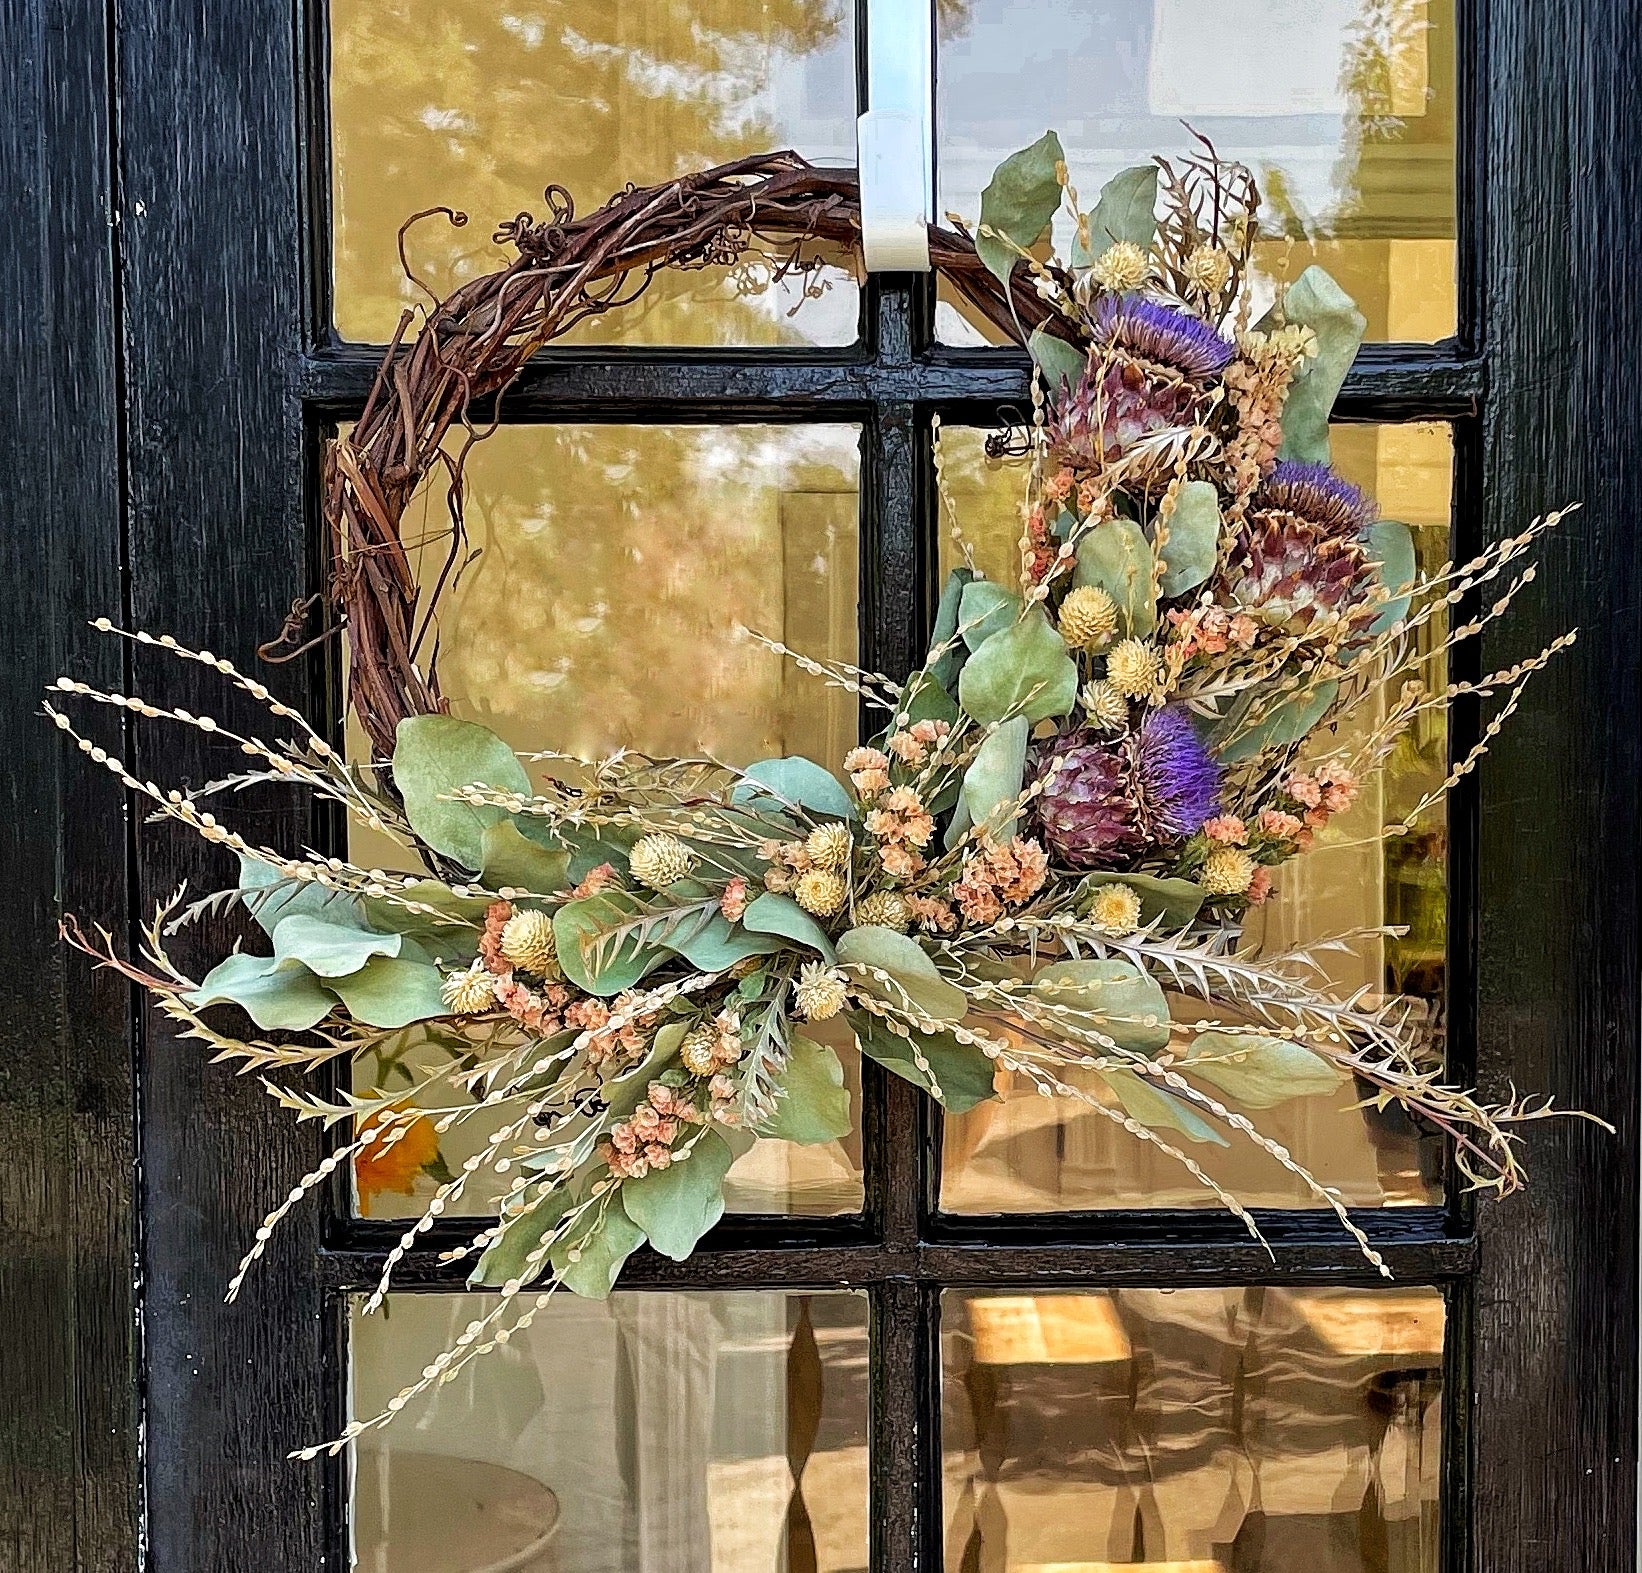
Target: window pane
{"type": "Point", "coordinates": [1263, 1430]}
{"type": "Point", "coordinates": [615, 566]}
{"type": "Point", "coordinates": [1029, 1153]}
{"type": "Point", "coordinates": [712, 1432]}
{"type": "Point", "coordinates": [470, 105]}
{"type": "Point", "coordinates": [1344, 110]}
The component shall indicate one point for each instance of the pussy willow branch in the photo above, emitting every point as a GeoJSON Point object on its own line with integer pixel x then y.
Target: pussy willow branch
{"type": "Point", "coordinates": [477, 340]}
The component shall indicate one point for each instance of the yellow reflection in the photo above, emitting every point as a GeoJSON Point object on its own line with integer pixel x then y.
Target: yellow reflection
{"type": "Point", "coordinates": [1029, 1153]}
{"type": "Point", "coordinates": [1344, 110]}
{"type": "Point", "coordinates": [474, 106]}
{"type": "Point", "coordinates": [1255, 1428]}
{"type": "Point", "coordinates": [611, 573]}
{"type": "Point", "coordinates": [1047, 1330]}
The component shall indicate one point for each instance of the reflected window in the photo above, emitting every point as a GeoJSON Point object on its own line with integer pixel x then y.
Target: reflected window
{"type": "Point", "coordinates": [700, 1433]}
{"type": "Point", "coordinates": [469, 105]}
{"type": "Point", "coordinates": [1239, 1430]}
{"type": "Point", "coordinates": [1344, 110]}
{"type": "Point", "coordinates": [1026, 1153]}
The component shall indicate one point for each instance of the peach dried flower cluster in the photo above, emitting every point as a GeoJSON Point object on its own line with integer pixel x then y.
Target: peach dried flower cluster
{"type": "Point", "coordinates": [1209, 630]}
{"type": "Point", "coordinates": [643, 1142]}
{"type": "Point", "coordinates": [902, 825]}
{"type": "Point", "coordinates": [912, 745]}
{"type": "Point", "coordinates": [999, 875]}
{"type": "Point", "coordinates": [619, 1036]}
{"type": "Point", "coordinates": [1327, 790]}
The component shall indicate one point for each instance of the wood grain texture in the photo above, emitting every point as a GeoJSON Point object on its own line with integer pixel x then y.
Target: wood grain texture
{"type": "Point", "coordinates": [214, 279]}
{"type": "Point", "coordinates": [1406, 382]}
{"type": "Point", "coordinates": [68, 1396]}
{"type": "Point", "coordinates": [1555, 1413]}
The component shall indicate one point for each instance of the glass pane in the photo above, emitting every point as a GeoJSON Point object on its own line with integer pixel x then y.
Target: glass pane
{"type": "Point", "coordinates": [1344, 110]}
{"type": "Point", "coordinates": [470, 105]}
{"type": "Point", "coordinates": [1260, 1430]}
{"type": "Point", "coordinates": [1029, 1153]}
{"type": "Point", "coordinates": [703, 1433]}
{"type": "Point", "coordinates": [615, 566]}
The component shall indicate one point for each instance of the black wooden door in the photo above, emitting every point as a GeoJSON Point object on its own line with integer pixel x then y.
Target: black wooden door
{"type": "Point", "coordinates": [172, 369]}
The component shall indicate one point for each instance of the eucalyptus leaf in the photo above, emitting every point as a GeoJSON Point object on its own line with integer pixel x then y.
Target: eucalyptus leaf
{"type": "Point", "coordinates": [392, 992]}
{"type": "Point", "coordinates": [626, 1092]}
{"type": "Point", "coordinates": [986, 609]}
{"type": "Point", "coordinates": [994, 777]}
{"type": "Point", "coordinates": [717, 944]}
{"type": "Point", "coordinates": [1019, 201]}
{"type": "Point", "coordinates": [1160, 1110]}
{"type": "Point", "coordinates": [332, 950]}
{"type": "Point", "coordinates": [578, 928]}
{"type": "Point", "coordinates": [1257, 1072]}
{"type": "Point", "coordinates": [1173, 901]}
{"type": "Point", "coordinates": [591, 845]}
{"type": "Point", "coordinates": [912, 973]}
{"type": "Point", "coordinates": [944, 667]}
{"type": "Point", "coordinates": [963, 1075]}
{"type": "Point", "coordinates": [1315, 301]}
{"type": "Point", "coordinates": [269, 896]}
{"type": "Point", "coordinates": [1117, 558]}
{"type": "Point", "coordinates": [1126, 1003]}
{"type": "Point", "coordinates": [506, 1257]}
{"type": "Point", "coordinates": [775, 914]}
{"type": "Point", "coordinates": [1125, 210]}
{"type": "Point", "coordinates": [1056, 359]}
{"type": "Point", "coordinates": [277, 995]}
{"type": "Point", "coordinates": [1391, 550]}
{"type": "Point", "coordinates": [675, 1206]}
{"type": "Point", "coordinates": [814, 1106]}
{"type": "Point", "coordinates": [1024, 670]}
{"type": "Point", "coordinates": [600, 1249]}
{"type": "Point", "coordinates": [435, 755]}
{"type": "Point", "coordinates": [924, 699]}
{"type": "Point", "coordinates": [1193, 542]}
{"type": "Point", "coordinates": [1285, 723]}
{"type": "Point", "coordinates": [509, 858]}
{"type": "Point", "coordinates": [454, 940]}
{"type": "Point", "coordinates": [799, 781]}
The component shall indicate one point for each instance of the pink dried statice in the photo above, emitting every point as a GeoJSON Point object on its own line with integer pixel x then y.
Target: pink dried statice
{"type": "Point", "coordinates": [734, 900]}
{"type": "Point", "coordinates": [595, 881]}
{"type": "Point", "coordinates": [643, 1142]}
{"type": "Point", "coordinates": [1000, 875]}
{"type": "Point", "coordinates": [490, 942]}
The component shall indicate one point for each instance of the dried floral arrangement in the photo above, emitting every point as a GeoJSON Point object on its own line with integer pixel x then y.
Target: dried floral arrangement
{"type": "Point", "coordinates": [1053, 838]}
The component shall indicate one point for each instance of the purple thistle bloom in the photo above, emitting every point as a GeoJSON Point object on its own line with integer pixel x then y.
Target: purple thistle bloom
{"type": "Point", "coordinates": [1314, 493]}
{"type": "Point", "coordinates": [1162, 335]}
{"type": "Point", "coordinates": [1177, 780]}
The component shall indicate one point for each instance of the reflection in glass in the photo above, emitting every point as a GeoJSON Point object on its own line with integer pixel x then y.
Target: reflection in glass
{"type": "Point", "coordinates": [697, 1433]}
{"type": "Point", "coordinates": [1344, 109]}
{"type": "Point", "coordinates": [1255, 1430]}
{"type": "Point", "coordinates": [615, 569]}
{"type": "Point", "coordinates": [1029, 1153]}
{"type": "Point", "coordinates": [470, 105]}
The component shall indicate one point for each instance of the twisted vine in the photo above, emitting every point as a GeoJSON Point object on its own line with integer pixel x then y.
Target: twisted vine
{"type": "Point", "coordinates": [475, 342]}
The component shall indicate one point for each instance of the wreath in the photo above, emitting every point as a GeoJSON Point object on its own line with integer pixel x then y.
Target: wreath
{"type": "Point", "coordinates": [1054, 836]}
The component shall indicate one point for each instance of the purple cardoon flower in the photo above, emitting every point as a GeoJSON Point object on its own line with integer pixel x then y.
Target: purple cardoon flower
{"type": "Point", "coordinates": [1161, 335]}
{"type": "Point", "coordinates": [1177, 781]}
{"type": "Point", "coordinates": [1315, 494]}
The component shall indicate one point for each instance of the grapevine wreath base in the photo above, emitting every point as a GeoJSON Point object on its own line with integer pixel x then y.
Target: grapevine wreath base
{"type": "Point", "coordinates": [1035, 873]}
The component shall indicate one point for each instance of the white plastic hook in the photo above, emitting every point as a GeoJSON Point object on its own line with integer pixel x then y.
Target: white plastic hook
{"type": "Point", "coordinates": [894, 138]}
